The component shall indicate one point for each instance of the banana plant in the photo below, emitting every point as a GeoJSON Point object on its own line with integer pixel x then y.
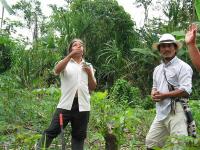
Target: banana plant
{"type": "Point", "coordinates": [7, 7]}
{"type": "Point", "coordinates": [197, 7]}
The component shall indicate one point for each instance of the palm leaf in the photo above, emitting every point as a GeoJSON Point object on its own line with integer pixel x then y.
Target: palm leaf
{"type": "Point", "coordinates": [179, 33]}
{"type": "Point", "coordinates": [144, 52]}
{"type": "Point", "coordinates": [197, 7]}
{"type": "Point", "coordinates": [7, 7]}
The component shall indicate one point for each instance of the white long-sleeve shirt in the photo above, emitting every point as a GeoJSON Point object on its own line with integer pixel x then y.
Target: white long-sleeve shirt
{"type": "Point", "coordinates": [179, 74]}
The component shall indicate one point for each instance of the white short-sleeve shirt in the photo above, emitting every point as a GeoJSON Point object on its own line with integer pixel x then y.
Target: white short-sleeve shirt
{"type": "Point", "coordinates": [74, 80]}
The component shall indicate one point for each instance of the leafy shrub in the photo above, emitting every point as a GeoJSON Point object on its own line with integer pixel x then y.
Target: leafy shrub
{"type": "Point", "coordinates": [25, 109]}
{"type": "Point", "coordinates": [6, 46]}
{"type": "Point", "coordinates": [36, 67]}
{"type": "Point", "coordinates": [123, 92]}
{"type": "Point", "coordinates": [148, 103]}
{"type": "Point", "coordinates": [182, 143]}
{"type": "Point", "coordinates": [195, 105]}
{"type": "Point", "coordinates": [118, 120]}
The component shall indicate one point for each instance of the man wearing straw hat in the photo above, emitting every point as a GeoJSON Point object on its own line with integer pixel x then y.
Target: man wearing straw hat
{"type": "Point", "coordinates": [170, 118]}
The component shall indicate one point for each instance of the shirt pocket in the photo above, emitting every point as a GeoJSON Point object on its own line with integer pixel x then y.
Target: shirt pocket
{"type": "Point", "coordinates": [172, 78]}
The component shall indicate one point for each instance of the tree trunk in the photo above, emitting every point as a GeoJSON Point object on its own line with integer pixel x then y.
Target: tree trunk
{"type": "Point", "coordinates": [35, 32]}
{"type": "Point", "coordinates": [111, 142]}
{"type": "Point", "coordinates": [2, 17]}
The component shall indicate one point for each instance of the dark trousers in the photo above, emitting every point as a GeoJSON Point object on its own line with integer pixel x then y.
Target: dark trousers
{"type": "Point", "coordinates": [78, 120]}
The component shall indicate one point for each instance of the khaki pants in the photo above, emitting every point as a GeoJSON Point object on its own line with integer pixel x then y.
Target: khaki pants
{"type": "Point", "coordinates": [172, 125]}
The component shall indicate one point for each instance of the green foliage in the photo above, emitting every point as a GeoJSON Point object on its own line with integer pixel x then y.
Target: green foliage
{"type": "Point", "coordinates": [179, 13]}
{"type": "Point", "coordinates": [119, 120]}
{"type": "Point", "coordinates": [36, 67]}
{"type": "Point", "coordinates": [109, 15]}
{"type": "Point", "coordinates": [5, 58]}
{"type": "Point", "coordinates": [34, 110]}
{"type": "Point", "coordinates": [124, 92]}
{"type": "Point", "coordinates": [29, 9]}
{"type": "Point", "coordinates": [197, 7]}
{"type": "Point", "coordinates": [25, 113]}
{"type": "Point", "coordinates": [144, 52]}
{"type": "Point", "coordinates": [104, 26]}
{"type": "Point", "coordinates": [195, 105]}
{"type": "Point", "coordinates": [8, 8]}
{"type": "Point", "coordinates": [25, 140]}
{"type": "Point", "coordinates": [28, 87]}
{"type": "Point", "coordinates": [182, 142]}
{"type": "Point", "coordinates": [6, 47]}
{"type": "Point", "coordinates": [116, 62]}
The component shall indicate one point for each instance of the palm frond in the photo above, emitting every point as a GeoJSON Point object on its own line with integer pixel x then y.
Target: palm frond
{"type": "Point", "coordinates": [144, 52]}
{"type": "Point", "coordinates": [197, 7]}
{"type": "Point", "coordinates": [7, 7]}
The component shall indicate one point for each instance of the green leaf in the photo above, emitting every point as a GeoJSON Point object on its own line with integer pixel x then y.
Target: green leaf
{"type": "Point", "coordinates": [7, 7]}
{"type": "Point", "coordinates": [143, 51]}
{"type": "Point", "coordinates": [197, 7]}
{"type": "Point", "coordinates": [179, 33]}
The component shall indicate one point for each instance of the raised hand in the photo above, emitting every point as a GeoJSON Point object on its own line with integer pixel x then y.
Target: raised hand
{"type": "Point", "coordinates": [86, 68]}
{"type": "Point", "coordinates": [190, 37]}
{"type": "Point", "coordinates": [75, 53]}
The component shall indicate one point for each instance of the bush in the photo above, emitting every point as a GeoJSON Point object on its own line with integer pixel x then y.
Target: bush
{"type": "Point", "coordinates": [123, 92]}
{"type": "Point", "coordinates": [36, 69]}
{"type": "Point", "coordinates": [182, 143]}
{"type": "Point", "coordinates": [6, 45]}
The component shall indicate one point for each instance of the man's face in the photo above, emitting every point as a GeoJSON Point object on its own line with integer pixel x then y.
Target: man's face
{"type": "Point", "coordinates": [167, 50]}
{"type": "Point", "coordinates": [77, 46]}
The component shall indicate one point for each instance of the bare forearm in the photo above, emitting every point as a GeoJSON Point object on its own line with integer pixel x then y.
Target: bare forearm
{"type": "Point", "coordinates": [158, 96]}
{"type": "Point", "coordinates": [61, 65]}
{"type": "Point", "coordinates": [176, 93]}
{"type": "Point", "coordinates": [195, 55]}
{"type": "Point", "coordinates": [91, 82]}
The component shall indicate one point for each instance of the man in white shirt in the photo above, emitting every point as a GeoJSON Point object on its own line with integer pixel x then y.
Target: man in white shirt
{"type": "Point", "coordinates": [170, 117]}
{"type": "Point", "coordinates": [77, 81]}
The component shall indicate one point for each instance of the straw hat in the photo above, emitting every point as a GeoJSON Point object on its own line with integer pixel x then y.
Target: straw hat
{"type": "Point", "coordinates": [167, 38]}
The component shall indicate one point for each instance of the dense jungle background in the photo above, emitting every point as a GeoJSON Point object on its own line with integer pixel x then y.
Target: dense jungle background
{"type": "Point", "coordinates": [121, 53]}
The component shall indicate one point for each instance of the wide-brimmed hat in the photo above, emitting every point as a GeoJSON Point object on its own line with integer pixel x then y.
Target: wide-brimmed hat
{"type": "Point", "coordinates": [167, 38]}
